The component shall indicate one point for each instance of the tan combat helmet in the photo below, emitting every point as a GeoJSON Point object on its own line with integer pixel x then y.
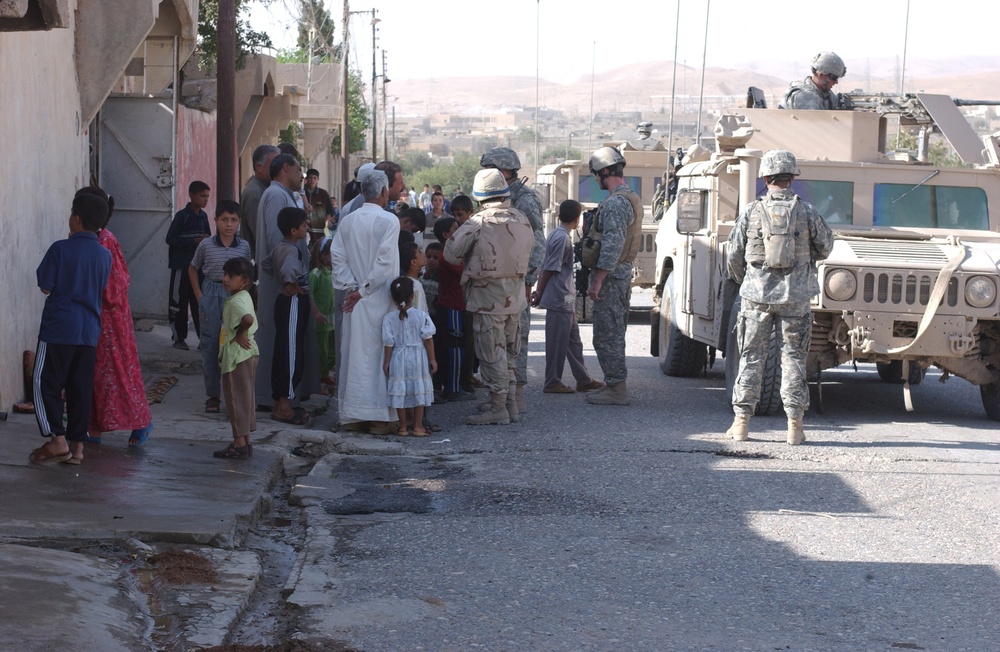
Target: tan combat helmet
{"type": "Point", "coordinates": [829, 63]}
{"type": "Point", "coordinates": [605, 157]}
{"type": "Point", "coordinates": [489, 185]}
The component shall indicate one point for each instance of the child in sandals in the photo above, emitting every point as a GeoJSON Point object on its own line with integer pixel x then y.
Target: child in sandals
{"type": "Point", "coordinates": [409, 358]}
{"type": "Point", "coordinates": [238, 355]}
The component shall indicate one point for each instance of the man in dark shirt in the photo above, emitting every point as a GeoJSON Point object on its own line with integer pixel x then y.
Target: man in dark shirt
{"type": "Point", "coordinates": [189, 228]}
{"type": "Point", "coordinates": [318, 206]}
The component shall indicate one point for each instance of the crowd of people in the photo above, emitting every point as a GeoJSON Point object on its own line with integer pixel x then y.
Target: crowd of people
{"type": "Point", "coordinates": [393, 304]}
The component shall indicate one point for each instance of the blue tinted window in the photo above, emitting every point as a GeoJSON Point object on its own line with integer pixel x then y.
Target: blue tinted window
{"type": "Point", "coordinates": [939, 207]}
{"type": "Point", "coordinates": [834, 200]}
{"type": "Point", "coordinates": [590, 190]}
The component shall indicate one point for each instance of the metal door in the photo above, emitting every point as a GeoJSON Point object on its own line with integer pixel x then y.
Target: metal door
{"type": "Point", "coordinates": [135, 145]}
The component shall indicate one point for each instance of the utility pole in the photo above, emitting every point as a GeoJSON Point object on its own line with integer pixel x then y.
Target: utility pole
{"type": "Point", "coordinates": [345, 170]}
{"type": "Point", "coordinates": [225, 131]}
{"type": "Point", "coordinates": [385, 132]}
{"type": "Point", "coordinates": [375, 21]}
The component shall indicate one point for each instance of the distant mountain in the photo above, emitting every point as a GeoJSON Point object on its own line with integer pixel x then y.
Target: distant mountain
{"type": "Point", "coordinates": [647, 86]}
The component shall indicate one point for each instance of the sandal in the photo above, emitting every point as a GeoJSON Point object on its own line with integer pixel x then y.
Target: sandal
{"type": "Point", "coordinates": [212, 405]}
{"type": "Point", "coordinates": [233, 452]}
{"type": "Point", "coordinates": [420, 433]}
{"type": "Point", "coordinates": [42, 455]}
{"type": "Point", "coordinates": [432, 427]}
{"type": "Point", "coordinates": [385, 429]}
{"type": "Point", "coordinates": [299, 417]}
{"type": "Point", "coordinates": [139, 437]}
{"type": "Point", "coordinates": [403, 432]}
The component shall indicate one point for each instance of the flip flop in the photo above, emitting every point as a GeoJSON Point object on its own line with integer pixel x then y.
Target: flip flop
{"type": "Point", "coordinates": [299, 418]}
{"type": "Point", "coordinates": [76, 461]}
{"type": "Point", "coordinates": [420, 433]}
{"type": "Point", "coordinates": [139, 437]}
{"type": "Point", "coordinates": [403, 432]}
{"type": "Point", "coordinates": [41, 456]}
{"type": "Point", "coordinates": [212, 405]}
{"type": "Point", "coordinates": [432, 427]}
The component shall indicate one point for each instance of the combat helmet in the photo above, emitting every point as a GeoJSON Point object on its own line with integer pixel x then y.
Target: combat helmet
{"type": "Point", "coordinates": [829, 63]}
{"type": "Point", "coordinates": [489, 185]}
{"type": "Point", "coordinates": [778, 161]}
{"type": "Point", "coordinates": [605, 157]}
{"type": "Point", "coordinates": [501, 158]}
{"type": "Point", "coordinates": [645, 128]}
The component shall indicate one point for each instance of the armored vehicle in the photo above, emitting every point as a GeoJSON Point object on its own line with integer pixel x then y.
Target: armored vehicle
{"type": "Point", "coordinates": [644, 169]}
{"type": "Point", "coordinates": [912, 281]}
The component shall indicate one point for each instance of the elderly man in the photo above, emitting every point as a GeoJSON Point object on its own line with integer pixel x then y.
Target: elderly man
{"type": "Point", "coordinates": [286, 181]}
{"type": "Point", "coordinates": [365, 254]}
{"type": "Point", "coordinates": [250, 199]}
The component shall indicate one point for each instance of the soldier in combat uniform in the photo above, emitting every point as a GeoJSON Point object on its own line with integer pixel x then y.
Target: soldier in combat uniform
{"type": "Point", "coordinates": [816, 91]}
{"type": "Point", "coordinates": [495, 245]}
{"type": "Point", "coordinates": [772, 253]}
{"type": "Point", "coordinates": [619, 219]}
{"type": "Point", "coordinates": [525, 200]}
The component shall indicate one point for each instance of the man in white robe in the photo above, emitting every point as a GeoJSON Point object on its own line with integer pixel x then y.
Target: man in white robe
{"type": "Point", "coordinates": [286, 181]}
{"type": "Point", "coordinates": [365, 253]}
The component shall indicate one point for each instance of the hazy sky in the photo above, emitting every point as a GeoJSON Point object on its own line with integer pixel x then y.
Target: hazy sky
{"type": "Point", "coordinates": [445, 38]}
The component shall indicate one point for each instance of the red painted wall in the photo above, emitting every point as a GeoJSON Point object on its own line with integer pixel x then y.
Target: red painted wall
{"type": "Point", "coordinates": [196, 156]}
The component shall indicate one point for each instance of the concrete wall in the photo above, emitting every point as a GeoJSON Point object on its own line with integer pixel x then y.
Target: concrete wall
{"type": "Point", "coordinates": [45, 161]}
{"type": "Point", "coordinates": [196, 156]}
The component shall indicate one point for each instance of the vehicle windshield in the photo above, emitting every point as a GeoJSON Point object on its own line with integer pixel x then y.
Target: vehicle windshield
{"type": "Point", "coordinates": [590, 190]}
{"type": "Point", "coordinates": [927, 206]}
{"type": "Point", "coordinates": [834, 200]}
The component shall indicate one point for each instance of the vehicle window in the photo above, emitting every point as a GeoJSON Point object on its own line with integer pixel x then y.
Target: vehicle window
{"type": "Point", "coordinates": [590, 190]}
{"type": "Point", "coordinates": [936, 207]}
{"type": "Point", "coordinates": [834, 200]}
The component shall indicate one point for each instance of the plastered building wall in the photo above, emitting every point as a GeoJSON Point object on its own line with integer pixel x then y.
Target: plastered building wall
{"type": "Point", "coordinates": [45, 161]}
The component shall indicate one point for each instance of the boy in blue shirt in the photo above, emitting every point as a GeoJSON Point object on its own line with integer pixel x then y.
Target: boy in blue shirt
{"type": "Point", "coordinates": [73, 275]}
{"type": "Point", "coordinates": [188, 229]}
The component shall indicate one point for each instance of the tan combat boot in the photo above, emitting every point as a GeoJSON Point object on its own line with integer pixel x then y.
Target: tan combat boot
{"type": "Point", "coordinates": [522, 407]}
{"type": "Point", "coordinates": [496, 416]}
{"type": "Point", "coordinates": [795, 434]}
{"type": "Point", "coordinates": [740, 430]}
{"type": "Point", "coordinates": [616, 394]}
{"type": "Point", "coordinates": [512, 407]}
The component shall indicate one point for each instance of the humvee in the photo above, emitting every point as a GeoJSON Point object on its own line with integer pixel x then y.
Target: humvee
{"type": "Point", "coordinates": [913, 279]}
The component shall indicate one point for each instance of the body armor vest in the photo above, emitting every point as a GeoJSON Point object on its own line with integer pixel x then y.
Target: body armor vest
{"type": "Point", "coordinates": [504, 246]}
{"type": "Point", "coordinates": [633, 235]}
{"type": "Point", "coordinates": [778, 233]}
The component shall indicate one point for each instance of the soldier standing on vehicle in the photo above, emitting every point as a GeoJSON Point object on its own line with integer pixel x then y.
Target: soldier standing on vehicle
{"type": "Point", "coordinates": [495, 244]}
{"type": "Point", "coordinates": [816, 91]}
{"type": "Point", "coordinates": [772, 253]}
{"type": "Point", "coordinates": [619, 222]}
{"type": "Point", "coordinates": [525, 200]}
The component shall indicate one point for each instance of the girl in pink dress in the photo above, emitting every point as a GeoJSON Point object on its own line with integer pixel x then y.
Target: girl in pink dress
{"type": "Point", "coordinates": [119, 401]}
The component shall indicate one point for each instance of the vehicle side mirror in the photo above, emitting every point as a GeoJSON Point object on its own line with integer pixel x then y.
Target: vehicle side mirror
{"type": "Point", "coordinates": [690, 211]}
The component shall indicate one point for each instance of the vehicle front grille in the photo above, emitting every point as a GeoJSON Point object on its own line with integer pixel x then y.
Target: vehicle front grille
{"type": "Point", "coordinates": [909, 288]}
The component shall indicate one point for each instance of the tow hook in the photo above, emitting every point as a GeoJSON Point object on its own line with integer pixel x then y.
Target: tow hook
{"type": "Point", "coordinates": [961, 344]}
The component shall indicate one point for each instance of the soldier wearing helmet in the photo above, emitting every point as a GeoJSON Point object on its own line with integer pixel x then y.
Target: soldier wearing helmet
{"type": "Point", "coordinates": [619, 221]}
{"type": "Point", "coordinates": [495, 246]}
{"type": "Point", "coordinates": [772, 253]}
{"type": "Point", "coordinates": [816, 91]}
{"type": "Point", "coordinates": [525, 200]}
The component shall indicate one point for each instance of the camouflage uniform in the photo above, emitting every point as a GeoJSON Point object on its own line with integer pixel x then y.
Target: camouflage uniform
{"type": "Point", "coordinates": [526, 200]}
{"type": "Point", "coordinates": [610, 317]}
{"type": "Point", "coordinates": [775, 298]}
{"type": "Point", "coordinates": [806, 94]}
{"type": "Point", "coordinates": [495, 302]}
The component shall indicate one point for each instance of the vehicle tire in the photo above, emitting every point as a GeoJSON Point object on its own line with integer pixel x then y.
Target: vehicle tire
{"type": "Point", "coordinates": [991, 400]}
{"type": "Point", "coordinates": [770, 391]}
{"type": "Point", "coordinates": [654, 332]}
{"type": "Point", "coordinates": [892, 372]}
{"type": "Point", "coordinates": [679, 355]}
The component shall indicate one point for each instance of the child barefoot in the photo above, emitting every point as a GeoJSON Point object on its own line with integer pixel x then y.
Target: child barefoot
{"type": "Point", "coordinates": [409, 358]}
{"type": "Point", "coordinates": [238, 357]}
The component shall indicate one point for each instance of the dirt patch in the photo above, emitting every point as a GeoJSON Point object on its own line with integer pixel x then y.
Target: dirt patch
{"type": "Point", "coordinates": [288, 646]}
{"type": "Point", "coordinates": [183, 567]}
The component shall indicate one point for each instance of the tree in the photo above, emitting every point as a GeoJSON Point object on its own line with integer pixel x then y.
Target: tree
{"type": "Point", "coordinates": [358, 118]}
{"type": "Point", "coordinates": [457, 174]}
{"type": "Point", "coordinates": [248, 41]}
{"type": "Point", "coordinates": [939, 154]}
{"type": "Point", "coordinates": [317, 22]}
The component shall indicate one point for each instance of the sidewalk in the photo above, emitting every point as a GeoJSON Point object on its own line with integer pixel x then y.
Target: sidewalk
{"type": "Point", "coordinates": [72, 537]}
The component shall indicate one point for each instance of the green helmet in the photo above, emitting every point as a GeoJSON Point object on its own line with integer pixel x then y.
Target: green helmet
{"type": "Point", "coordinates": [501, 158]}
{"type": "Point", "coordinates": [778, 161]}
{"type": "Point", "coordinates": [605, 157]}
{"type": "Point", "coordinates": [830, 64]}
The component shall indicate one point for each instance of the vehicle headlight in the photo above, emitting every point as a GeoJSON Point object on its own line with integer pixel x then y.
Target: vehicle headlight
{"type": "Point", "coordinates": [841, 284]}
{"type": "Point", "coordinates": [980, 291]}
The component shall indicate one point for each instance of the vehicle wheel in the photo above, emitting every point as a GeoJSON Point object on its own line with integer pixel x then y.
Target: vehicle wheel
{"type": "Point", "coordinates": [892, 372]}
{"type": "Point", "coordinates": [679, 355]}
{"type": "Point", "coordinates": [770, 391]}
{"type": "Point", "coordinates": [991, 400]}
{"type": "Point", "coordinates": [654, 332]}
